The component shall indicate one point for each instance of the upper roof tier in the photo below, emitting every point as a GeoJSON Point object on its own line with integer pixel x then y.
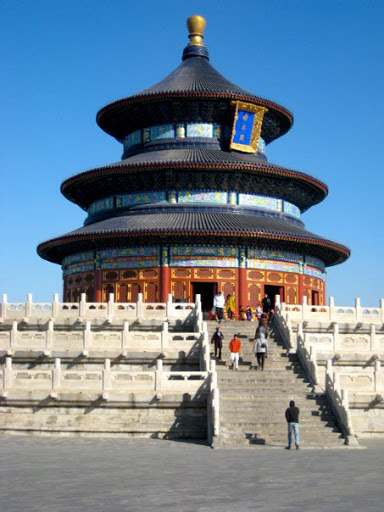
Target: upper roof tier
{"type": "Point", "coordinates": [206, 96]}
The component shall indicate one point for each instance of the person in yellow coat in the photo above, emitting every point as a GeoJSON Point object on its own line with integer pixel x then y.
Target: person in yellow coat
{"type": "Point", "coordinates": [230, 306]}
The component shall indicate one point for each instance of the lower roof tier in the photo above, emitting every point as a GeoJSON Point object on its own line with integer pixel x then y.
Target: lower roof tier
{"type": "Point", "coordinates": [195, 168]}
{"type": "Point", "coordinates": [194, 228]}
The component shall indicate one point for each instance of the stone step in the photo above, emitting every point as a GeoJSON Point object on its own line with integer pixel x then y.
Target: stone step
{"type": "Point", "coordinates": [277, 442]}
{"type": "Point", "coordinates": [257, 408]}
{"type": "Point", "coordinates": [279, 428]}
{"type": "Point", "coordinates": [279, 437]}
{"type": "Point", "coordinates": [261, 388]}
{"type": "Point", "coordinates": [243, 378]}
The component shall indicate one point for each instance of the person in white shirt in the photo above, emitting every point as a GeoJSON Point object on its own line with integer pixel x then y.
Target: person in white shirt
{"type": "Point", "coordinates": [218, 304]}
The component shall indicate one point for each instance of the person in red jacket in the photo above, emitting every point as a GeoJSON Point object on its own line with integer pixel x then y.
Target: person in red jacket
{"type": "Point", "coordinates": [234, 347]}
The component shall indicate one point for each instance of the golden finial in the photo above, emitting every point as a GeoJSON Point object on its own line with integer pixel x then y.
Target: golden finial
{"type": "Point", "coordinates": [196, 26]}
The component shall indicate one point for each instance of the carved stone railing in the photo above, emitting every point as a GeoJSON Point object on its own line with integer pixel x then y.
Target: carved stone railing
{"type": "Point", "coordinates": [340, 404]}
{"type": "Point", "coordinates": [110, 311]}
{"type": "Point", "coordinates": [57, 380]}
{"type": "Point", "coordinates": [332, 313]}
{"type": "Point", "coordinates": [48, 340]}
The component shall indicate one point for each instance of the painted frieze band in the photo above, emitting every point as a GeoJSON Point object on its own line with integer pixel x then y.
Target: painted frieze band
{"type": "Point", "coordinates": [194, 256]}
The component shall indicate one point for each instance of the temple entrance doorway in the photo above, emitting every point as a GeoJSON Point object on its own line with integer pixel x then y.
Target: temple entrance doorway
{"type": "Point", "coordinates": [271, 291]}
{"type": "Point", "coordinates": [206, 291]}
{"type": "Point", "coordinates": [315, 298]}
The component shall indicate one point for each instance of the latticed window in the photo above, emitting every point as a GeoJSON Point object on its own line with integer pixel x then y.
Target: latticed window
{"type": "Point", "coordinates": [135, 290]}
{"type": "Point", "coordinates": [307, 281]}
{"type": "Point", "coordinates": [182, 272]}
{"type": "Point", "coordinates": [291, 295]}
{"type": "Point", "coordinates": [89, 278]}
{"type": "Point", "coordinates": [149, 274]}
{"type": "Point", "coordinates": [275, 278]}
{"type": "Point", "coordinates": [151, 292]}
{"type": "Point", "coordinates": [258, 276]}
{"type": "Point", "coordinates": [254, 293]}
{"type": "Point", "coordinates": [78, 279]}
{"type": "Point", "coordinates": [111, 276]}
{"type": "Point", "coordinates": [226, 274]}
{"type": "Point", "coordinates": [90, 294]}
{"type": "Point", "coordinates": [204, 273]}
{"type": "Point", "coordinates": [179, 291]}
{"type": "Point", "coordinates": [123, 293]}
{"type": "Point", "coordinates": [228, 288]}
{"type": "Point", "coordinates": [129, 274]}
{"type": "Point", "coordinates": [290, 278]}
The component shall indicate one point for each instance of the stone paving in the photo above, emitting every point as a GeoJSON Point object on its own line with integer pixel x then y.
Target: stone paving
{"type": "Point", "coordinates": [60, 474]}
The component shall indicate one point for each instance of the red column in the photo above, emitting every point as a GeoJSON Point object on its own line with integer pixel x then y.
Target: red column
{"type": "Point", "coordinates": [98, 286]}
{"type": "Point", "coordinates": [165, 283]}
{"type": "Point", "coordinates": [243, 288]}
{"type": "Point", "coordinates": [165, 275]}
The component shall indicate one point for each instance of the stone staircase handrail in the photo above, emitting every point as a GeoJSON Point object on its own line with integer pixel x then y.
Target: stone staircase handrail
{"type": "Point", "coordinates": [340, 403]}
{"type": "Point", "coordinates": [213, 406]}
{"type": "Point", "coordinates": [283, 325]}
{"type": "Point", "coordinates": [307, 356]}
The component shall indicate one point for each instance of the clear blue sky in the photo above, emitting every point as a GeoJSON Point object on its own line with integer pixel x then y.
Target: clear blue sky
{"type": "Point", "coordinates": [63, 60]}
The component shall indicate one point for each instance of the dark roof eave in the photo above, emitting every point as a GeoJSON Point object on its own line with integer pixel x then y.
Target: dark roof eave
{"type": "Point", "coordinates": [56, 249]}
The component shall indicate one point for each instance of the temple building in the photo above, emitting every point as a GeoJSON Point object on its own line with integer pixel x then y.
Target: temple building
{"type": "Point", "coordinates": [194, 206]}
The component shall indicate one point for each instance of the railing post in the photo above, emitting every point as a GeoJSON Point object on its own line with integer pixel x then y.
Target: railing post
{"type": "Point", "coordinates": [336, 336]}
{"type": "Point", "coordinates": [55, 306]}
{"type": "Point", "coordinates": [304, 307]}
{"type": "Point", "coordinates": [107, 375]}
{"type": "Point", "coordinates": [87, 335]}
{"type": "Point", "coordinates": [378, 376]}
{"type": "Point", "coordinates": [14, 334]}
{"type": "Point", "coordinates": [110, 307]}
{"type": "Point", "coordinates": [358, 310]}
{"type": "Point", "coordinates": [29, 306]}
{"type": "Point", "coordinates": [382, 309]}
{"type": "Point", "coordinates": [169, 306]}
{"type": "Point", "coordinates": [125, 335]}
{"type": "Point", "coordinates": [140, 307]}
{"type": "Point", "coordinates": [332, 309]}
{"type": "Point", "coordinates": [56, 378]}
{"type": "Point", "coordinates": [8, 373]}
{"type": "Point", "coordinates": [373, 339]}
{"type": "Point", "coordinates": [158, 374]}
{"type": "Point", "coordinates": [49, 341]}
{"type": "Point", "coordinates": [82, 305]}
{"type": "Point", "coordinates": [164, 336]}
{"type": "Point", "coordinates": [4, 306]}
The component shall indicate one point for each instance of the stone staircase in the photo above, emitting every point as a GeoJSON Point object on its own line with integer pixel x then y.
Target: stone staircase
{"type": "Point", "coordinates": [253, 403]}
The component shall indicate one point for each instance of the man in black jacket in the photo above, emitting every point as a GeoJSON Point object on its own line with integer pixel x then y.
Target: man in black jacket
{"type": "Point", "coordinates": [292, 417]}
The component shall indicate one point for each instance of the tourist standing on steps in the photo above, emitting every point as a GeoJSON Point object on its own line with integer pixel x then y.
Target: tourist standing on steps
{"type": "Point", "coordinates": [230, 306]}
{"type": "Point", "coordinates": [217, 339]}
{"type": "Point", "coordinates": [218, 304]}
{"type": "Point", "coordinates": [266, 302]}
{"type": "Point", "coordinates": [292, 417]}
{"type": "Point", "coordinates": [260, 347]}
{"type": "Point", "coordinates": [234, 347]}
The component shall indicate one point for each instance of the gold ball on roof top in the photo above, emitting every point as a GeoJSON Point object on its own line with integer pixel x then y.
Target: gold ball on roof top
{"type": "Point", "coordinates": [196, 26]}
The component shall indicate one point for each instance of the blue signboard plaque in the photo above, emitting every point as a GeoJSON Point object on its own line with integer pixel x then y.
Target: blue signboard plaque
{"type": "Point", "coordinates": [247, 125]}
